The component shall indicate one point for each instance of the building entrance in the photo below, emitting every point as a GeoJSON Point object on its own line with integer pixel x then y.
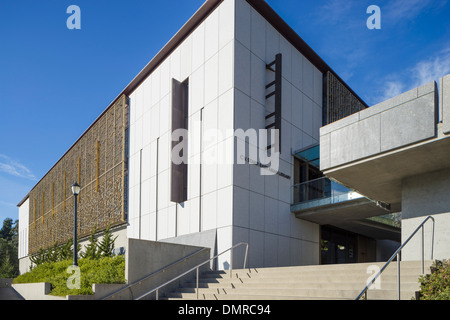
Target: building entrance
{"type": "Point", "coordinates": [338, 246]}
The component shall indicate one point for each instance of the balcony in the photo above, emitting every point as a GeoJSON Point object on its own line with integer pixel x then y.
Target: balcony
{"type": "Point", "coordinates": [320, 192]}
{"type": "Point", "coordinates": [325, 201]}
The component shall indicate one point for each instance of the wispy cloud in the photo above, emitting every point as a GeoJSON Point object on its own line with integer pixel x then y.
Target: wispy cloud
{"type": "Point", "coordinates": [336, 12]}
{"type": "Point", "coordinates": [6, 203]}
{"type": "Point", "coordinates": [392, 89]}
{"type": "Point", "coordinates": [432, 69]}
{"type": "Point", "coordinates": [15, 168]}
{"type": "Point", "coordinates": [422, 72]}
{"type": "Point", "coordinates": [406, 10]}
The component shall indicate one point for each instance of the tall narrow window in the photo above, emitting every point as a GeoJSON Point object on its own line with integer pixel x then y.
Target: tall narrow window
{"type": "Point", "coordinates": [98, 166]}
{"type": "Point", "coordinates": [79, 177]}
{"type": "Point", "coordinates": [178, 189]}
{"type": "Point", "coordinates": [43, 207]}
{"type": "Point", "coordinates": [53, 199]}
{"type": "Point", "coordinates": [64, 192]}
{"type": "Point", "coordinates": [35, 214]}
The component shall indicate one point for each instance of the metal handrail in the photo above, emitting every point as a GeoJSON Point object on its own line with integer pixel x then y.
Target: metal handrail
{"type": "Point", "coordinates": [197, 270]}
{"type": "Point", "coordinates": [397, 254]}
{"type": "Point", "coordinates": [163, 269]}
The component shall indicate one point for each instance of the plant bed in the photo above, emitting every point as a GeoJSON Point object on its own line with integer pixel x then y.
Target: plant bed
{"type": "Point", "coordinates": [436, 286]}
{"type": "Point", "coordinates": [104, 270]}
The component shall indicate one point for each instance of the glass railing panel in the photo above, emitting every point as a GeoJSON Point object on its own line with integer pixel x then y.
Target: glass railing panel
{"type": "Point", "coordinates": [322, 189]}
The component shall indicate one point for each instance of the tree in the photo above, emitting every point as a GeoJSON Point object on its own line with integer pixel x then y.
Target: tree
{"type": "Point", "coordinates": [7, 268]}
{"type": "Point", "coordinates": [9, 229]}
{"type": "Point", "coordinates": [92, 250]}
{"type": "Point", "coordinates": [106, 246]}
{"type": "Point", "coordinates": [9, 262]}
{"type": "Point", "coordinates": [55, 253]}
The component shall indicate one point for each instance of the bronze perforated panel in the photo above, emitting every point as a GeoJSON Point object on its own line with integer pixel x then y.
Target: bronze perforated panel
{"type": "Point", "coordinates": [340, 101]}
{"type": "Point", "coordinates": [98, 162]}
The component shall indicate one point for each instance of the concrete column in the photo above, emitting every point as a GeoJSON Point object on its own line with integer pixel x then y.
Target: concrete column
{"type": "Point", "coordinates": [444, 102]}
{"type": "Point", "coordinates": [426, 195]}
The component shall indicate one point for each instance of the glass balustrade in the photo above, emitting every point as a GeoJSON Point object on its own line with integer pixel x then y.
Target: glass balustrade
{"type": "Point", "coordinates": [319, 192]}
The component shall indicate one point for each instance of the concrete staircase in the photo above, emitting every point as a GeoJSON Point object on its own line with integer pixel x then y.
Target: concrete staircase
{"type": "Point", "coordinates": [6, 292]}
{"type": "Point", "coordinates": [317, 282]}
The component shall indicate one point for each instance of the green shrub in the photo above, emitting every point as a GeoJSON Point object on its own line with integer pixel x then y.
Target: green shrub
{"type": "Point", "coordinates": [436, 286]}
{"type": "Point", "coordinates": [106, 246]}
{"type": "Point", "coordinates": [54, 253]}
{"type": "Point", "coordinates": [92, 251]}
{"type": "Point", "coordinates": [103, 270]}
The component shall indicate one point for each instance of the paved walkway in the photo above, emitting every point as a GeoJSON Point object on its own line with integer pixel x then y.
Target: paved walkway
{"type": "Point", "coordinates": [9, 294]}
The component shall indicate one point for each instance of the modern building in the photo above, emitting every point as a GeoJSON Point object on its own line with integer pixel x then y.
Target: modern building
{"type": "Point", "coordinates": [398, 152]}
{"type": "Point", "coordinates": [252, 96]}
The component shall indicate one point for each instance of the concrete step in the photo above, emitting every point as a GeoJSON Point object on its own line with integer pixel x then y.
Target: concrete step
{"type": "Point", "coordinates": [406, 268]}
{"type": "Point", "coordinates": [347, 266]}
{"type": "Point", "coordinates": [304, 282]}
{"type": "Point", "coordinates": [290, 295]}
{"type": "Point", "coordinates": [332, 278]}
{"type": "Point", "coordinates": [362, 276]}
{"type": "Point", "coordinates": [245, 297]}
{"type": "Point", "coordinates": [301, 285]}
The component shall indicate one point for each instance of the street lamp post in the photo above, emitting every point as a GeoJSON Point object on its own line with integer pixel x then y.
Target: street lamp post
{"type": "Point", "coordinates": [76, 191]}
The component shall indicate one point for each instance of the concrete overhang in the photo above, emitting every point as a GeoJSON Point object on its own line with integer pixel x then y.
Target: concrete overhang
{"type": "Point", "coordinates": [372, 229]}
{"type": "Point", "coordinates": [380, 177]}
{"type": "Point", "coordinates": [334, 214]}
{"type": "Point", "coordinates": [352, 216]}
{"type": "Point", "coordinates": [372, 151]}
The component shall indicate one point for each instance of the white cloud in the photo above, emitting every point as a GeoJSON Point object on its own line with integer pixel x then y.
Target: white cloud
{"type": "Point", "coordinates": [421, 73]}
{"type": "Point", "coordinates": [406, 10]}
{"type": "Point", "coordinates": [15, 168]}
{"type": "Point", "coordinates": [8, 204]}
{"type": "Point", "coordinates": [392, 89]}
{"type": "Point", "coordinates": [432, 69]}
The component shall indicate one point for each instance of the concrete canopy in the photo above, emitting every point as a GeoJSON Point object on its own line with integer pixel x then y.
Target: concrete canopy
{"type": "Point", "coordinates": [381, 177]}
{"type": "Point", "coordinates": [373, 150]}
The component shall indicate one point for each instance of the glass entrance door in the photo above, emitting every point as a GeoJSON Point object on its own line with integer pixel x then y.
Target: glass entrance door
{"type": "Point", "coordinates": [338, 246]}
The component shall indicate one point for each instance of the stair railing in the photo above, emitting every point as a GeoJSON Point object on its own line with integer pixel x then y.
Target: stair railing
{"type": "Point", "coordinates": [397, 254]}
{"type": "Point", "coordinates": [164, 269]}
{"type": "Point", "coordinates": [197, 267]}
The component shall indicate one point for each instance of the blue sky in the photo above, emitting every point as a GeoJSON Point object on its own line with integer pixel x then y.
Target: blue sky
{"type": "Point", "coordinates": [54, 82]}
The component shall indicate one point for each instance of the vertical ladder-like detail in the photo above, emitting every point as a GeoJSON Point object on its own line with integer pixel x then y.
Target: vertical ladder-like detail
{"type": "Point", "coordinates": [273, 102]}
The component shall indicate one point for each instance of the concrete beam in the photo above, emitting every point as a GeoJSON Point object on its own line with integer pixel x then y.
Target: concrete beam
{"type": "Point", "coordinates": [374, 150]}
{"type": "Point", "coordinates": [444, 101]}
{"type": "Point", "coordinates": [335, 214]}
{"type": "Point", "coordinates": [408, 118]}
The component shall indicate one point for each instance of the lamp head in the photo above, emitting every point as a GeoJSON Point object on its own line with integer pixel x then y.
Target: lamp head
{"type": "Point", "coordinates": [76, 189]}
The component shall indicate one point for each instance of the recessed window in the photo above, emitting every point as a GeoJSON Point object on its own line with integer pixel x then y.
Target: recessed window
{"type": "Point", "coordinates": [180, 112]}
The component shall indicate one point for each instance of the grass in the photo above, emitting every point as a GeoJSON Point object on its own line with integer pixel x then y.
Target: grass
{"type": "Point", "coordinates": [104, 270]}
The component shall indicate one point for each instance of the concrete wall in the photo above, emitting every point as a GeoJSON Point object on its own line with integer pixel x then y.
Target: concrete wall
{"type": "Point", "coordinates": [418, 176]}
{"type": "Point", "coordinates": [23, 229]}
{"type": "Point", "coordinates": [444, 102]}
{"type": "Point", "coordinates": [24, 265]}
{"type": "Point", "coordinates": [403, 120]}
{"type": "Point", "coordinates": [422, 196]}
{"type": "Point", "coordinates": [206, 239]}
{"type": "Point", "coordinates": [225, 59]}
{"type": "Point", "coordinates": [41, 291]}
{"type": "Point", "coordinates": [35, 291]}
{"type": "Point", "coordinates": [261, 203]}
{"type": "Point", "coordinates": [148, 257]}
{"type": "Point", "coordinates": [206, 58]}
